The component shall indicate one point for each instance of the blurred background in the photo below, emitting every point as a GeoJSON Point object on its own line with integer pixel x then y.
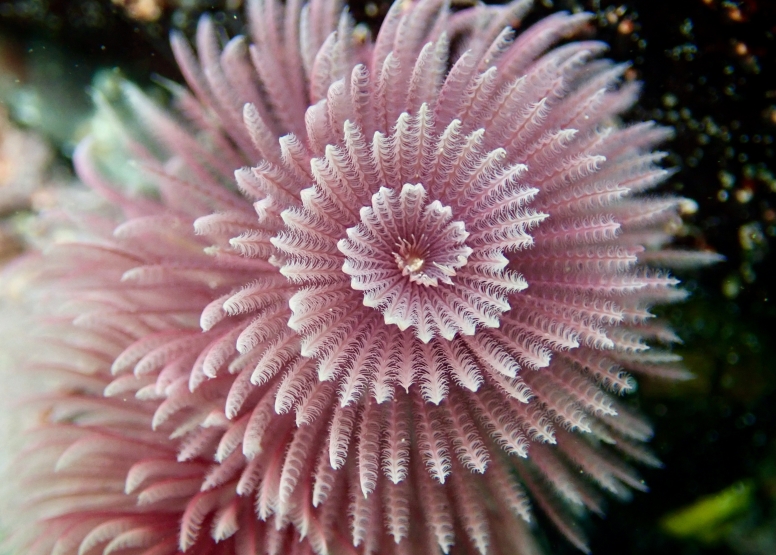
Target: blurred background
{"type": "Point", "coordinates": [707, 68]}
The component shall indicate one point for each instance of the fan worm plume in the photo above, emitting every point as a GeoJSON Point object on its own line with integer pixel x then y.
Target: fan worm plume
{"type": "Point", "coordinates": [415, 302]}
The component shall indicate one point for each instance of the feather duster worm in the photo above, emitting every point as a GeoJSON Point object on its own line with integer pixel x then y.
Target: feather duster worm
{"type": "Point", "coordinates": [417, 307]}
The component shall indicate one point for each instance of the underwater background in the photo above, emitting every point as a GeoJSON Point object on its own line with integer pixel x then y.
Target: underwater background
{"type": "Point", "coordinates": [706, 66]}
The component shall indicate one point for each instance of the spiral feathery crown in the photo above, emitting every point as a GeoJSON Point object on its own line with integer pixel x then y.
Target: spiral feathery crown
{"type": "Point", "coordinates": [416, 308]}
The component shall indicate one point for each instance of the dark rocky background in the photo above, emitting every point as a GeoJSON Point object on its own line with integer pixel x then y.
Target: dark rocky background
{"type": "Point", "coordinates": [707, 69]}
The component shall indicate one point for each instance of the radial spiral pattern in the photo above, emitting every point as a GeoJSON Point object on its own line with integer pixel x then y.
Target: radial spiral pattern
{"type": "Point", "coordinates": [418, 306]}
{"type": "Point", "coordinates": [427, 249]}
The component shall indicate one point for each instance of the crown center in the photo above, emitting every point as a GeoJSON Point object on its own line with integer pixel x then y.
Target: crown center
{"type": "Point", "coordinates": [411, 258]}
